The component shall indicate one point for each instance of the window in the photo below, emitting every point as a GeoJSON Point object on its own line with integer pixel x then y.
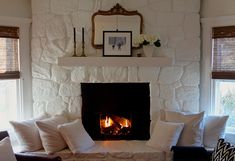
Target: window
{"type": "Point", "coordinates": [9, 75]}
{"type": "Point", "coordinates": [224, 101]}
{"type": "Point", "coordinates": [9, 104]}
{"type": "Point", "coordinates": [223, 73]}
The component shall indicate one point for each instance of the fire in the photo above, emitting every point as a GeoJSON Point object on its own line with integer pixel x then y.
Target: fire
{"type": "Point", "coordinates": [108, 122]}
{"type": "Point", "coordinates": [126, 123]}
{"type": "Point", "coordinates": [114, 125]}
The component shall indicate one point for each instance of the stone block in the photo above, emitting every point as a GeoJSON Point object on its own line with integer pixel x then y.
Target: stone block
{"type": "Point", "coordinates": [62, 7]}
{"type": "Point", "coordinates": [192, 25]}
{"type": "Point", "coordinates": [172, 105]}
{"type": "Point", "coordinates": [176, 33]}
{"type": "Point", "coordinates": [56, 28]}
{"type": "Point", "coordinates": [154, 90]}
{"type": "Point", "coordinates": [115, 74]}
{"type": "Point", "coordinates": [40, 6]}
{"type": "Point", "coordinates": [39, 25]}
{"type": "Point", "coordinates": [84, 18]}
{"type": "Point", "coordinates": [148, 74]}
{"type": "Point", "coordinates": [191, 76]}
{"type": "Point", "coordinates": [191, 106]}
{"type": "Point", "coordinates": [160, 5]}
{"type": "Point", "coordinates": [187, 93]}
{"type": "Point", "coordinates": [70, 89]}
{"type": "Point", "coordinates": [37, 49]}
{"type": "Point", "coordinates": [107, 4]}
{"type": "Point", "coordinates": [95, 74]}
{"type": "Point", "coordinates": [44, 90]}
{"type": "Point", "coordinates": [59, 74]}
{"type": "Point", "coordinates": [170, 19]}
{"type": "Point", "coordinates": [51, 52]}
{"type": "Point", "coordinates": [187, 6]}
{"type": "Point", "coordinates": [86, 5]}
{"type": "Point", "coordinates": [167, 92]}
{"type": "Point", "coordinates": [56, 106]}
{"type": "Point", "coordinates": [75, 107]}
{"type": "Point", "coordinates": [133, 4]}
{"type": "Point", "coordinates": [39, 108]}
{"type": "Point", "coordinates": [169, 75]}
{"type": "Point", "coordinates": [132, 74]}
{"type": "Point", "coordinates": [79, 74]}
{"type": "Point", "coordinates": [41, 70]}
{"type": "Point", "coordinates": [156, 104]}
{"type": "Point", "coordinates": [188, 50]}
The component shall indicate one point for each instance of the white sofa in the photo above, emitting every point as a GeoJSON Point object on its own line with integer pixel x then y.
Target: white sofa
{"type": "Point", "coordinates": [51, 135]}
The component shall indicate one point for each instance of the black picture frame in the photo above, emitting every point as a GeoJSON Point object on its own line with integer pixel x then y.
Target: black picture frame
{"type": "Point", "coordinates": [117, 43]}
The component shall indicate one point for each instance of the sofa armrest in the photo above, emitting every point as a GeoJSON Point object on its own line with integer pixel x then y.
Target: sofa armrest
{"type": "Point", "coordinates": [186, 153]}
{"type": "Point", "coordinates": [36, 157]}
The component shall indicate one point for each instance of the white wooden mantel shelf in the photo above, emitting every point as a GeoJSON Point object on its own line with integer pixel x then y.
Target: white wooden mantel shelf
{"type": "Point", "coordinates": [115, 61]}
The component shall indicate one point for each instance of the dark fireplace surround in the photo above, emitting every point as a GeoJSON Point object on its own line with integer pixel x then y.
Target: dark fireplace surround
{"type": "Point", "coordinates": [128, 103]}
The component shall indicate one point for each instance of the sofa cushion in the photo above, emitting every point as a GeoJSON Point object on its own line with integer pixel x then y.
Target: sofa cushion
{"type": "Point", "coordinates": [27, 133]}
{"type": "Point", "coordinates": [76, 136]}
{"type": "Point", "coordinates": [6, 151]}
{"type": "Point", "coordinates": [214, 128]}
{"type": "Point", "coordinates": [165, 135]}
{"type": "Point", "coordinates": [192, 134]}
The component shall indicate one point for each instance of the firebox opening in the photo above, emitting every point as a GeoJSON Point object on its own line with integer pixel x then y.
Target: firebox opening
{"type": "Point", "coordinates": [116, 111]}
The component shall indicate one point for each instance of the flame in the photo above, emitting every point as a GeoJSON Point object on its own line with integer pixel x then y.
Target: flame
{"type": "Point", "coordinates": [125, 123]}
{"type": "Point", "coordinates": [108, 122]}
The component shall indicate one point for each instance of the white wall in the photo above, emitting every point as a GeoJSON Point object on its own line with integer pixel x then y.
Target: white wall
{"type": "Point", "coordinates": [215, 8]}
{"type": "Point", "coordinates": [57, 88]}
{"type": "Point", "coordinates": [16, 8]}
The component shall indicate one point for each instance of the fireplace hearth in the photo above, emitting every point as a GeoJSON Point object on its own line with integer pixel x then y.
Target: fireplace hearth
{"type": "Point", "coordinates": [116, 111]}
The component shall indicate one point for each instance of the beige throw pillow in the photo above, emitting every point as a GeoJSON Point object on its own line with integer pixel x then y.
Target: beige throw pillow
{"type": "Point", "coordinates": [6, 151]}
{"type": "Point", "coordinates": [27, 134]}
{"type": "Point", "coordinates": [165, 135]}
{"type": "Point", "coordinates": [192, 134]}
{"type": "Point", "coordinates": [76, 136]}
{"type": "Point", "coordinates": [52, 140]}
{"type": "Point", "coordinates": [214, 130]}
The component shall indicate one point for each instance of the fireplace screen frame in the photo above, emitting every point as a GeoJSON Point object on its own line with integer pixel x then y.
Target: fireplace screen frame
{"type": "Point", "coordinates": [119, 99]}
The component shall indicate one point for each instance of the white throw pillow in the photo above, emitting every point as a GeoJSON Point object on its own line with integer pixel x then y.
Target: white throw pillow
{"type": "Point", "coordinates": [192, 134]}
{"type": "Point", "coordinates": [27, 134]}
{"type": "Point", "coordinates": [76, 136]}
{"type": "Point", "coordinates": [214, 128]}
{"type": "Point", "coordinates": [165, 135]}
{"type": "Point", "coordinates": [52, 140]}
{"type": "Point", "coordinates": [6, 151]}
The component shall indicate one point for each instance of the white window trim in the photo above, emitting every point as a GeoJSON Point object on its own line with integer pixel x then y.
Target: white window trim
{"type": "Point", "coordinates": [206, 84]}
{"type": "Point", "coordinates": [24, 25]}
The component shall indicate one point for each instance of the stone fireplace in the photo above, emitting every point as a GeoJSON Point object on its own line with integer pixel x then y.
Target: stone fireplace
{"type": "Point", "coordinates": [116, 111]}
{"type": "Point", "coordinates": [56, 88]}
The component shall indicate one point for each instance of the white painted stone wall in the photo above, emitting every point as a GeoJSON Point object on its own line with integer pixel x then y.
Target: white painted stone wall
{"type": "Point", "coordinates": [57, 88]}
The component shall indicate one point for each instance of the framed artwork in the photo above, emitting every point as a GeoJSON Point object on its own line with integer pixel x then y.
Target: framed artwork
{"type": "Point", "coordinates": [117, 43]}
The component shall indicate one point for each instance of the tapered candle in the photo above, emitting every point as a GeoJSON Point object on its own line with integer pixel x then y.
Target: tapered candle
{"type": "Point", "coordinates": [74, 34]}
{"type": "Point", "coordinates": [83, 35]}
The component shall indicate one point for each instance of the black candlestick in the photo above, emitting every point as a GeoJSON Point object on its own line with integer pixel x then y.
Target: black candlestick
{"type": "Point", "coordinates": [74, 42]}
{"type": "Point", "coordinates": [83, 43]}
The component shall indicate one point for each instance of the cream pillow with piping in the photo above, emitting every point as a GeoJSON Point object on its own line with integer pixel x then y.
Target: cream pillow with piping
{"type": "Point", "coordinates": [192, 134]}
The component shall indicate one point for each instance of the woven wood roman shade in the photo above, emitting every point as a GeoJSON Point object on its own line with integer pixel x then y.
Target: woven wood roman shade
{"type": "Point", "coordinates": [223, 66]}
{"type": "Point", "coordinates": [9, 52]}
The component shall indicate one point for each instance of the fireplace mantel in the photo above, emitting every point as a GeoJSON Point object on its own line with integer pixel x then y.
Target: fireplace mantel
{"type": "Point", "coordinates": [115, 61]}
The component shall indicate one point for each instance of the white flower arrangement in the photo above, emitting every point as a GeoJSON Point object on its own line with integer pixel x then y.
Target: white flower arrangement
{"type": "Point", "coordinates": [145, 39]}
